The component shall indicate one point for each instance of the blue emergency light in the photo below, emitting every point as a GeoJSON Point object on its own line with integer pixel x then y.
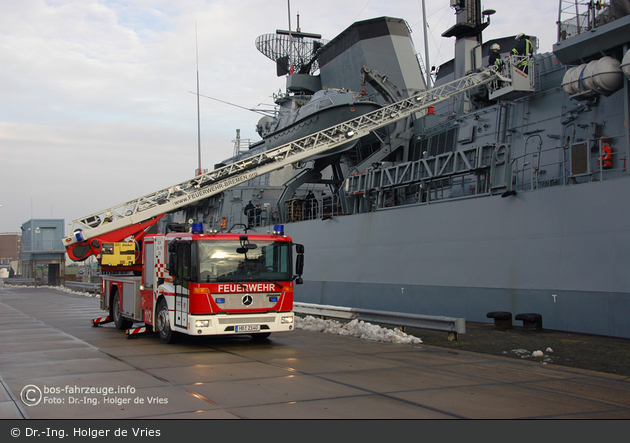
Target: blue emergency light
{"type": "Point", "coordinates": [78, 235]}
{"type": "Point", "coordinates": [278, 229]}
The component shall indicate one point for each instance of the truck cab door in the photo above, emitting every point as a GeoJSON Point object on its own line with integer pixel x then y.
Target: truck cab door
{"type": "Point", "coordinates": [149, 283]}
{"type": "Point", "coordinates": [182, 269]}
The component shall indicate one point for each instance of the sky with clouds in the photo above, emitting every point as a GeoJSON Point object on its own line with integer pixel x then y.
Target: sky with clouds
{"type": "Point", "coordinates": [96, 104]}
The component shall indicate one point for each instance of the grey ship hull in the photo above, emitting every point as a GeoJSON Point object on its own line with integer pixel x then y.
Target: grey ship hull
{"type": "Point", "coordinates": [557, 252]}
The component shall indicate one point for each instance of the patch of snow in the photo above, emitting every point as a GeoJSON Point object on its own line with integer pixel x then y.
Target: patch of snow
{"type": "Point", "coordinates": [355, 328]}
{"type": "Point", "coordinates": [520, 351]}
{"type": "Point", "coordinates": [524, 353]}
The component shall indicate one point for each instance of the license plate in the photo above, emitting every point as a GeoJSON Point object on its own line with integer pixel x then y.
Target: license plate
{"type": "Point", "coordinates": [247, 328]}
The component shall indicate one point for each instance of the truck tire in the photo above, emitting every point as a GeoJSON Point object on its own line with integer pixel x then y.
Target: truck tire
{"type": "Point", "coordinates": [163, 324]}
{"type": "Point", "coordinates": [120, 322]}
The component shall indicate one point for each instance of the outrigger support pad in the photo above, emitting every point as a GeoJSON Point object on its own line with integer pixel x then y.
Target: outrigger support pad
{"type": "Point", "coordinates": [134, 332]}
{"type": "Point", "coordinates": [96, 322]}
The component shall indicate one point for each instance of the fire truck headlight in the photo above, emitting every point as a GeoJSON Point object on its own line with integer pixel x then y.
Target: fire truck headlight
{"type": "Point", "coordinates": [286, 320]}
{"type": "Point", "coordinates": [202, 323]}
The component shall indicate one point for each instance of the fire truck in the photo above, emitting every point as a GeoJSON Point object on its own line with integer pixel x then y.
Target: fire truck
{"type": "Point", "coordinates": [187, 280]}
{"type": "Point", "coordinates": [203, 283]}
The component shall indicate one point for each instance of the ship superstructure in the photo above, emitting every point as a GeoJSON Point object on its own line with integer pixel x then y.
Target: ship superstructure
{"type": "Point", "coordinates": [511, 197]}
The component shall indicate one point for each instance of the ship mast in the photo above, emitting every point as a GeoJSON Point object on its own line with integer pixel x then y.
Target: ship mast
{"type": "Point", "coordinates": [467, 32]}
{"type": "Point", "coordinates": [427, 63]}
{"type": "Point", "coordinates": [198, 114]}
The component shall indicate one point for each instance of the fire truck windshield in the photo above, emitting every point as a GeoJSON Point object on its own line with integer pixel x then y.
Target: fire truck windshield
{"type": "Point", "coordinates": [220, 261]}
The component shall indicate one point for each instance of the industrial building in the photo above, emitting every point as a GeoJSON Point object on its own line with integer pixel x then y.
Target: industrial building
{"type": "Point", "coordinates": [43, 255]}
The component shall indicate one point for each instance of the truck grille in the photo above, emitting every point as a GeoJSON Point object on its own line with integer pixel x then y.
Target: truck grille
{"type": "Point", "coordinates": [243, 320]}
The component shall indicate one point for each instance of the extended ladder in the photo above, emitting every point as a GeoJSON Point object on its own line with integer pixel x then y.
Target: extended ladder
{"type": "Point", "coordinates": [130, 217]}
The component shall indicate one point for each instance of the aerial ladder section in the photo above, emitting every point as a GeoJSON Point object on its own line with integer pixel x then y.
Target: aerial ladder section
{"type": "Point", "coordinates": [134, 219]}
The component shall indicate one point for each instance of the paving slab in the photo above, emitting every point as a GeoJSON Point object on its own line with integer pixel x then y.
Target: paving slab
{"type": "Point", "coordinates": [505, 401]}
{"type": "Point", "coordinates": [392, 380]}
{"type": "Point", "coordinates": [232, 394]}
{"type": "Point", "coordinates": [368, 407]}
{"type": "Point", "coordinates": [201, 374]}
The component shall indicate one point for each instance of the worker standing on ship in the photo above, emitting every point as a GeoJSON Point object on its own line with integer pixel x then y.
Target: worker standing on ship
{"type": "Point", "coordinates": [249, 212]}
{"type": "Point", "coordinates": [311, 205]}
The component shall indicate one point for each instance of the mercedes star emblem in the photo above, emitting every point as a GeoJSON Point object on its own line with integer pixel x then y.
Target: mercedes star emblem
{"type": "Point", "coordinates": [247, 300]}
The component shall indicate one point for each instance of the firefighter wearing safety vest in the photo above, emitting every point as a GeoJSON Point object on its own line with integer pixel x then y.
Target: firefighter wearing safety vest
{"type": "Point", "coordinates": [605, 159]}
{"type": "Point", "coordinates": [494, 57]}
{"type": "Point", "coordinates": [523, 48]}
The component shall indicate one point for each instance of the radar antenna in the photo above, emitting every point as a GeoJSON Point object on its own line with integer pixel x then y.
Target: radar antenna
{"type": "Point", "coordinates": [293, 51]}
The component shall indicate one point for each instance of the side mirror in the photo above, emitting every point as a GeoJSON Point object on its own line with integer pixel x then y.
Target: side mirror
{"type": "Point", "coordinates": [299, 264]}
{"type": "Point", "coordinates": [299, 248]}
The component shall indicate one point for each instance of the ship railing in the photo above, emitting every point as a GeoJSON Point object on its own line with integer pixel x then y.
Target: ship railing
{"type": "Point", "coordinates": [575, 163]}
{"type": "Point", "coordinates": [426, 171]}
{"type": "Point", "coordinates": [532, 171]}
{"type": "Point", "coordinates": [576, 17]}
{"type": "Point", "coordinates": [611, 166]}
{"type": "Point", "coordinates": [296, 209]}
{"type": "Point", "coordinates": [322, 207]}
{"type": "Point", "coordinates": [617, 159]}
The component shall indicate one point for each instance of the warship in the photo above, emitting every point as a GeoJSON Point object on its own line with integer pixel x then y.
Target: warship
{"type": "Point", "coordinates": [511, 197]}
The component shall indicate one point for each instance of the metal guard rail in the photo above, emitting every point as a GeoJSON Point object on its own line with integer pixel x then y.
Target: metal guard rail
{"type": "Point", "coordinates": [454, 326]}
{"type": "Point", "coordinates": [84, 287]}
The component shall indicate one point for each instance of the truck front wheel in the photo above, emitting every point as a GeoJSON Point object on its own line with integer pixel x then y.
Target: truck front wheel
{"type": "Point", "coordinates": [120, 322]}
{"type": "Point", "coordinates": [167, 335]}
